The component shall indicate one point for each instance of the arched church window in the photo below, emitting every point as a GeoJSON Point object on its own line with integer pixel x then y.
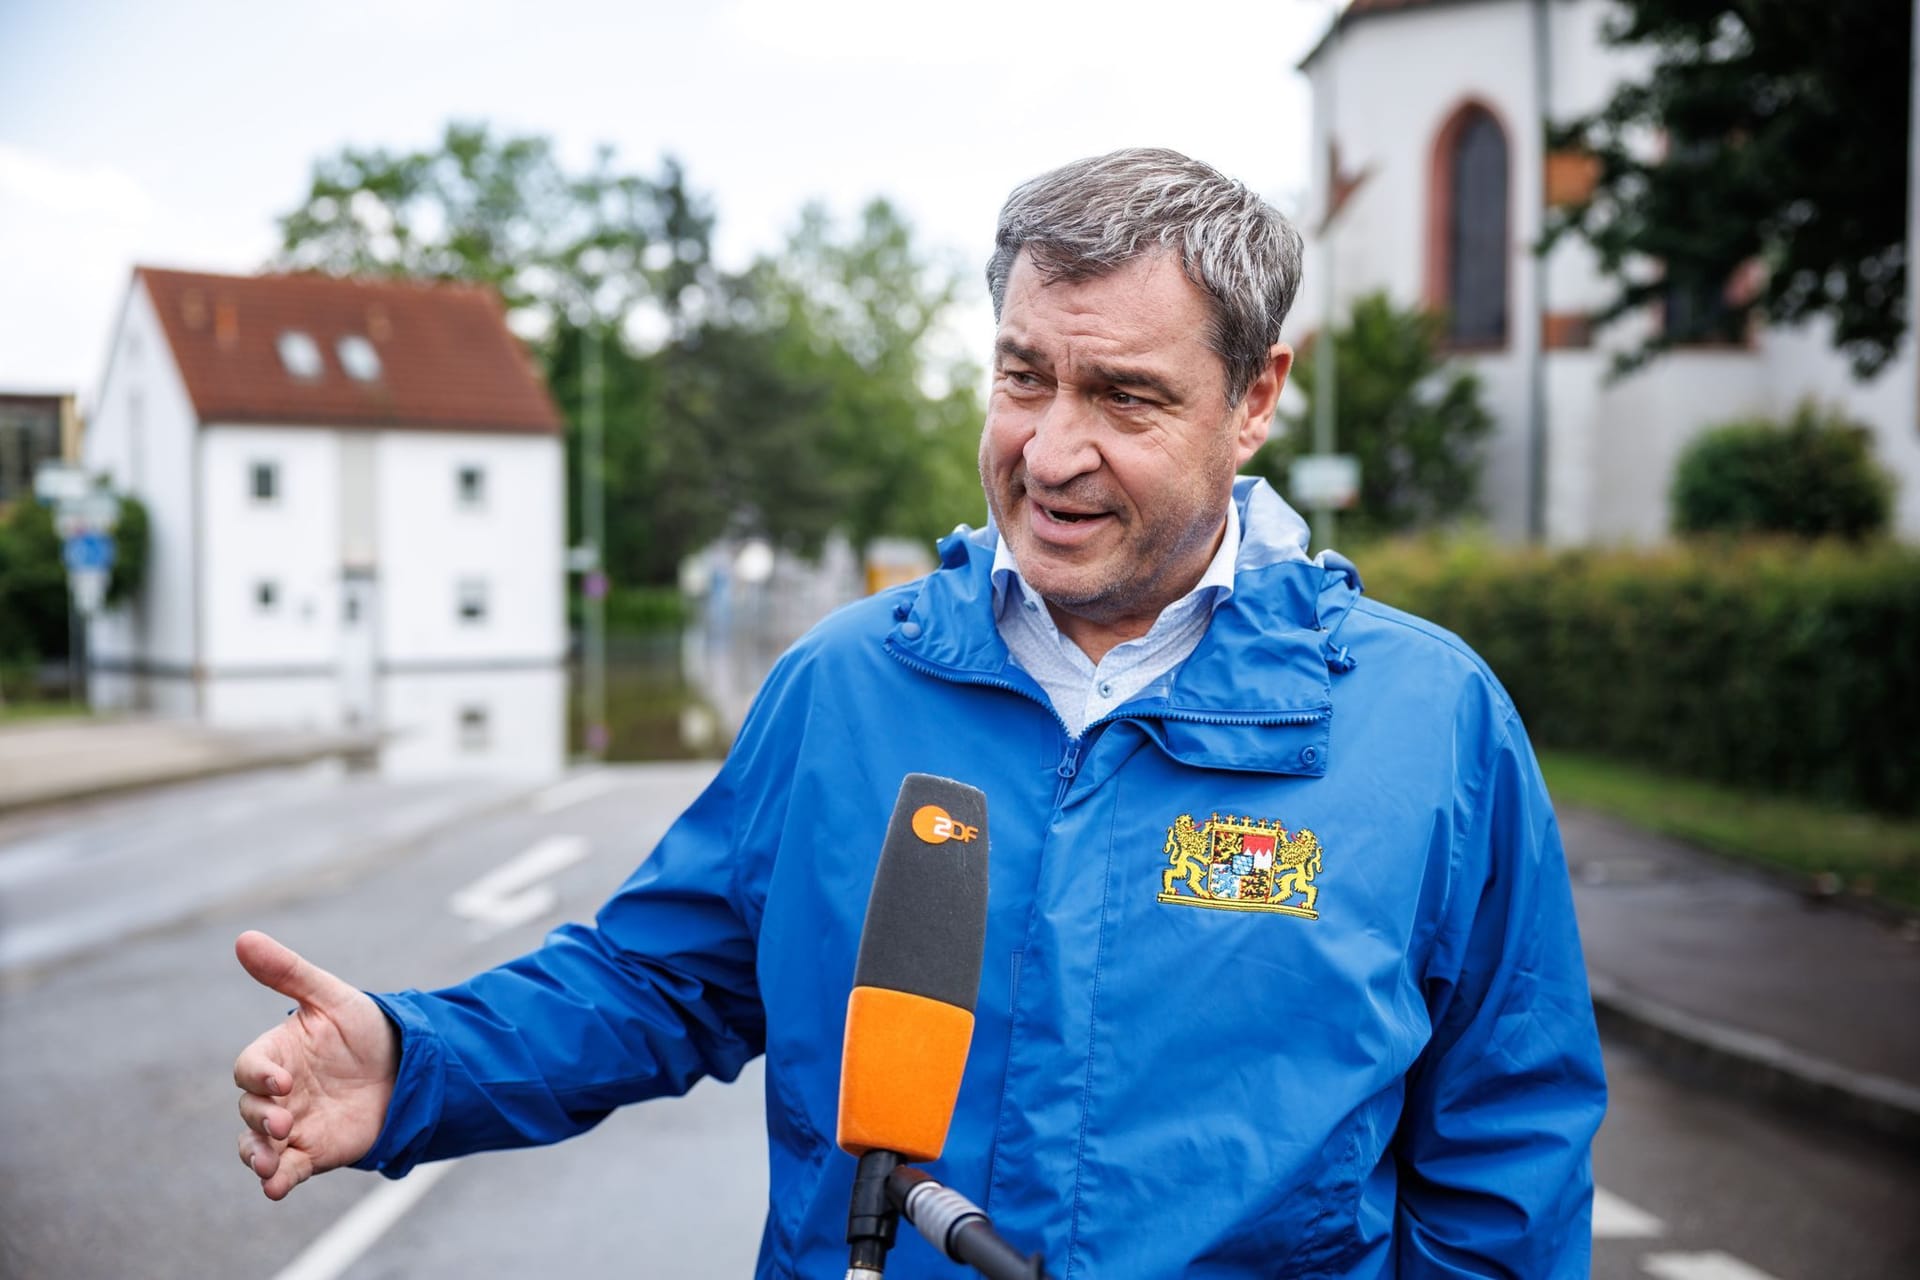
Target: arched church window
{"type": "Point", "coordinates": [1472, 241]}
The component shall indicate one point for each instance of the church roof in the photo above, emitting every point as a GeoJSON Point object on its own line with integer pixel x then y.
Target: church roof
{"type": "Point", "coordinates": [308, 349]}
{"type": "Point", "coordinates": [1357, 10]}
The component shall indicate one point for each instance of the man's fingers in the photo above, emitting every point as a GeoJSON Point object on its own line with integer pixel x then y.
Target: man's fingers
{"type": "Point", "coordinates": [255, 1072]}
{"type": "Point", "coordinates": [285, 970]}
{"type": "Point", "coordinates": [259, 1155]}
{"type": "Point", "coordinates": [264, 1117]}
{"type": "Point", "coordinates": [292, 1169]}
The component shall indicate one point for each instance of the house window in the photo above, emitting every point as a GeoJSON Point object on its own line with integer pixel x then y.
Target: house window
{"type": "Point", "coordinates": [475, 729]}
{"type": "Point", "coordinates": [472, 597]}
{"type": "Point", "coordinates": [266, 596]}
{"type": "Point", "coordinates": [300, 355]}
{"type": "Point", "coordinates": [470, 484]}
{"type": "Point", "coordinates": [1471, 241]}
{"type": "Point", "coordinates": [358, 358]}
{"type": "Point", "coordinates": [264, 483]}
{"type": "Point", "coordinates": [1695, 310]}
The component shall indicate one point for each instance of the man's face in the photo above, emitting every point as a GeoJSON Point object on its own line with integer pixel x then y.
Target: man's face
{"type": "Point", "coordinates": [1109, 451]}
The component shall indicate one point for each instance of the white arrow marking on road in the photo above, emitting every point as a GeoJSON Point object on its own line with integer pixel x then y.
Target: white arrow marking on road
{"type": "Point", "coordinates": [340, 1246]}
{"type": "Point", "coordinates": [574, 790]}
{"type": "Point", "coordinates": [1615, 1219]}
{"type": "Point", "coordinates": [1699, 1266]}
{"type": "Point", "coordinates": [513, 893]}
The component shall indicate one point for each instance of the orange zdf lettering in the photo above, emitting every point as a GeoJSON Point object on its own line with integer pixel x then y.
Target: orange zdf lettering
{"type": "Point", "coordinates": [936, 826]}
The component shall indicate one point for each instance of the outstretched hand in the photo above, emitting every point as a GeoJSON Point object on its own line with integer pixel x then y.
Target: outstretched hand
{"type": "Point", "coordinates": [314, 1089]}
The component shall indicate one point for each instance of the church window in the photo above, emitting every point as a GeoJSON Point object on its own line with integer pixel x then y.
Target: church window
{"type": "Point", "coordinates": [1471, 240]}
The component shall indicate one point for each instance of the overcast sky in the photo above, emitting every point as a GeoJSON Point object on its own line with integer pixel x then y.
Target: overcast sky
{"type": "Point", "coordinates": [174, 133]}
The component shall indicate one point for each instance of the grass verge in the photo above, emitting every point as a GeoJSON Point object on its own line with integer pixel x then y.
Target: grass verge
{"type": "Point", "coordinates": [1870, 854]}
{"type": "Point", "coordinates": [28, 712]}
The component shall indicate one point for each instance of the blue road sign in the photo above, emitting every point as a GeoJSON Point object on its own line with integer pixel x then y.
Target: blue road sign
{"type": "Point", "coordinates": [90, 550]}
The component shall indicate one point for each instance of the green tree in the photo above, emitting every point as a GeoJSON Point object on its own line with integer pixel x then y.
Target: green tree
{"type": "Point", "coordinates": [33, 578]}
{"type": "Point", "coordinates": [797, 397]}
{"type": "Point", "coordinates": [33, 586]}
{"type": "Point", "coordinates": [584, 248]}
{"type": "Point", "coordinates": [1415, 421]}
{"type": "Point", "coordinates": [1768, 132]}
{"type": "Point", "coordinates": [1811, 476]}
{"type": "Point", "coordinates": [855, 321]}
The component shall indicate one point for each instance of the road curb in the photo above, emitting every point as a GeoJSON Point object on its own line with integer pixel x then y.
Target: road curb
{"type": "Point", "coordinates": [1761, 1067]}
{"type": "Point", "coordinates": [245, 762]}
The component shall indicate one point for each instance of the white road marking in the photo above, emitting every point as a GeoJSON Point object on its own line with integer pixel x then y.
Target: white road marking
{"type": "Point", "coordinates": [1615, 1219]}
{"type": "Point", "coordinates": [514, 893]}
{"type": "Point", "coordinates": [574, 790]}
{"type": "Point", "coordinates": [1699, 1266]}
{"type": "Point", "coordinates": [340, 1246]}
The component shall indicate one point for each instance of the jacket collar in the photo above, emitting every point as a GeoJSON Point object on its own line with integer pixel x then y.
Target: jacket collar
{"type": "Point", "coordinates": [1264, 663]}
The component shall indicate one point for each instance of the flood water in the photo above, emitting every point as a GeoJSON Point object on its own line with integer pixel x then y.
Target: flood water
{"type": "Point", "coordinates": [670, 696]}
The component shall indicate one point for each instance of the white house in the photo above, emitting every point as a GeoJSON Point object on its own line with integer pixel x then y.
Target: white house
{"type": "Point", "coordinates": [357, 506]}
{"type": "Point", "coordinates": [1431, 183]}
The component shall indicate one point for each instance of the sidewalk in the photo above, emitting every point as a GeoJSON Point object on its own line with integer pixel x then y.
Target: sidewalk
{"type": "Point", "coordinates": [42, 762]}
{"type": "Point", "coordinates": [1734, 977]}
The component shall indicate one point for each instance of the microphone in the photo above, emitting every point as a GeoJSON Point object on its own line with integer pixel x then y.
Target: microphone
{"type": "Point", "coordinates": [910, 1015]}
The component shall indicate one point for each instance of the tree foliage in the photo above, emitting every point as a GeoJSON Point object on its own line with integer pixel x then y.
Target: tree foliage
{"type": "Point", "coordinates": [1415, 422]}
{"type": "Point", "coordinates": [1812, 476]}
{"type": "Point", "coordinates": [802, 395]}
{"type": "Point", "coordinates": [33, 578]}
{"type": "Point", "coordinates": [583, 248]}
{"type": "Point", "coordinates": [1766, 132]}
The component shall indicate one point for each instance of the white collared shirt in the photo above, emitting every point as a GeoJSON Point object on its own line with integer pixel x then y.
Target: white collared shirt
{"type": "Point", "coordinates": [1081, 690]}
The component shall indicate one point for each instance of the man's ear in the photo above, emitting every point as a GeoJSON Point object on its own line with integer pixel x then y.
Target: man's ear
{"type": "Point", "coordinates": [1262, 398]}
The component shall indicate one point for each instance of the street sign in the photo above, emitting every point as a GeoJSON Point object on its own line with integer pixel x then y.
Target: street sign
{"type": "Point", "coordinates": [89, 550]}
{"type": "Point", "coordinates": [1324, 480]}
{"type": "Point", "coordinates": [92, 511]}
{"type": "Point", "coordinates": [89, 587]}
{"type": "Point", "coordinates": [58, 482]}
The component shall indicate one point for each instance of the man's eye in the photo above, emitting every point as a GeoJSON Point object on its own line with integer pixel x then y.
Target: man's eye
{"type": "Point", "coordinates": [1022, 377]}
{"type": "Point", "coordinates": [1125, 400]}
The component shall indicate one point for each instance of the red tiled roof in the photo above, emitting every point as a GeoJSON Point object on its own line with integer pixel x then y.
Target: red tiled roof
{"type": "Point", "coordinates": [447, 359]}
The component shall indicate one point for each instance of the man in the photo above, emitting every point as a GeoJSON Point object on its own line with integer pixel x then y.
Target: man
{"type": "Point", "coordinates": [1281, 971]}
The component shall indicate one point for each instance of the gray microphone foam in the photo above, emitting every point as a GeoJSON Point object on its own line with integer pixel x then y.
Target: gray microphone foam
{"type": "Point", "coordinates": [927, 916]}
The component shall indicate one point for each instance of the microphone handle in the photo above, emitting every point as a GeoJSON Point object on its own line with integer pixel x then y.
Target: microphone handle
{"type": "Point", "coordinates": [871, 1217]}
{"type": "Point", "coordinates": [959, 1228]}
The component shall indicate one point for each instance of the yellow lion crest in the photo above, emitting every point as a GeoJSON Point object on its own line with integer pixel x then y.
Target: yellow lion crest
{"type": "Point", "coordinates": [1241, 864]}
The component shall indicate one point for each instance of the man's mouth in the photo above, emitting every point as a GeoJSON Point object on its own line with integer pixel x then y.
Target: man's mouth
{"type": "Point", "coordinates": [1069, 517]}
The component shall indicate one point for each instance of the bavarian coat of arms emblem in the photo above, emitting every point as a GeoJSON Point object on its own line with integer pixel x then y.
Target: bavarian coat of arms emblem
{"type": "Point", "coordinates": [1240, 864]}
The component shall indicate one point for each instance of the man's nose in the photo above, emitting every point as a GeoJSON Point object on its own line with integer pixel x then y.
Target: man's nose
{"type": "Point", "coordinates": [1061, 447]}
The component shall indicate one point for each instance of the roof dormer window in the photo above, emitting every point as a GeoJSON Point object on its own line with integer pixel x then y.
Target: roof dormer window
{"type": "Point", "coordinates": [358, 358]}
{"type": "Point", "coordinates": [300, 354]}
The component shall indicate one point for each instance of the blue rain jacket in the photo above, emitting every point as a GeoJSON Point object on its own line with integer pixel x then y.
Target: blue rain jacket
{"type": "Point", "coordinates": [1281, 973]}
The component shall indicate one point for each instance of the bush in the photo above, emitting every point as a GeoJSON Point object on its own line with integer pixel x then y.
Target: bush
{"type": "Point", "coordinates": [635, 610]}
{"type": "Point", "coordinates": [1812, 477]}
{"type": "Point", "coordinates": [1764, 664]}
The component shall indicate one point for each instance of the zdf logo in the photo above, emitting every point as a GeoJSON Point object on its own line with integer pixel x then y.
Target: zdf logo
{"type": "Point", "coordinates": [936, 826]}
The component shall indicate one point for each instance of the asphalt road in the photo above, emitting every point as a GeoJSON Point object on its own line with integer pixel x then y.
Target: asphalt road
{"type": "Point", "coordinates": [118, 1027]}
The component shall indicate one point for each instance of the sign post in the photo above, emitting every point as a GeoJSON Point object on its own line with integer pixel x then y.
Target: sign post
{"type": "Point", "coordinates": [85, 517]}
{"type": "Point", "coordinates": [1325, 482]}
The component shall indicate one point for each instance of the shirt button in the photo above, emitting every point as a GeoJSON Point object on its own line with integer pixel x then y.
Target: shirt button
{"type": "Point", "coordinates": [911, 630]}
{"type": "Point", "coordinates": [1032, 607]}
{"type": "Point", "coordinates": [1106, 688]}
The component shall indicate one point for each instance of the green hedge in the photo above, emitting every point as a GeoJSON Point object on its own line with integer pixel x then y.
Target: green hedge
{"type": "Point", "coordinates": [635, 610]}
{"type": "Point", "coordinates": [1770, 665]}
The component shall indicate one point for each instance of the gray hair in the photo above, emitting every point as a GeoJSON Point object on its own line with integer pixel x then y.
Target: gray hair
{"type": "Point", "coordinates": [1093, 216]}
